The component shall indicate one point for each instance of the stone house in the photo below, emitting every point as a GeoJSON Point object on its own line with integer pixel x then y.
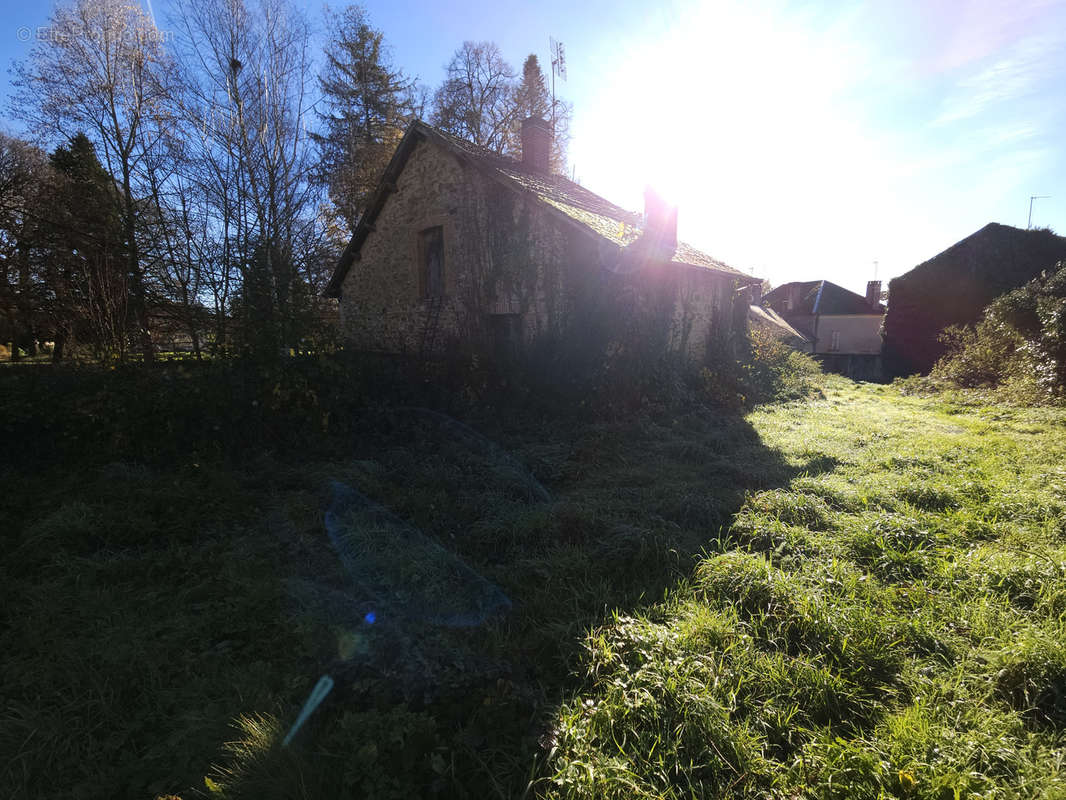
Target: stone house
{"type": "Point", "coordinates": [463, 250]}
{"type": "Point", "coordinates": [953, 288]}
{"type": "Point", "coordinates": [841, 328]}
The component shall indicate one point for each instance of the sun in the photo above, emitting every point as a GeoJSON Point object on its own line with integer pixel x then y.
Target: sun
{"type": "Point", "coordinates": [731, 112]}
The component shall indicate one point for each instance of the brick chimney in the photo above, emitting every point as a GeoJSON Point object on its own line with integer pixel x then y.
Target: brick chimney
{"type": "Point", "coordinates": [660, 219]}
{"type": "Point", "coordinates": [873, 292]}
{"type": "Point", "coordinates": [536, 143]}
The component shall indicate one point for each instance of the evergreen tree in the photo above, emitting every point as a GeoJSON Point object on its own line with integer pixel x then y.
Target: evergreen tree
{"type": "Point", "coordinates": [24, 198]}
{"type": "Point", "coordinates": [369, 103]}
{"type": "Point", "coordinates": [87, 275]}
{"type": "Point", "coordinates": [532, 98]}
{"type": "Point", "coordinates": [104, 71]}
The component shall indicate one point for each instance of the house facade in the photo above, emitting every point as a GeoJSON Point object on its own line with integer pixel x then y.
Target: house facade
{"type": "Point", "coordinates": [464, 250]}
{"type": "Point", "coordinates": [841, 328]}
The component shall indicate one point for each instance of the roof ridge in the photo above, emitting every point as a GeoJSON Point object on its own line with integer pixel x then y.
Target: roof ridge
{"type": "Point", "coordinates": [591, 212]}
{"type": "Point", "coordinates": [510, 162]}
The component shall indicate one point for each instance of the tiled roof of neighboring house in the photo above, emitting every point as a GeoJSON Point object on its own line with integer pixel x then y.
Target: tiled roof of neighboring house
{"type": "Point", "coordinates": [591, 212]}
{"type": "Point", "coordinates": [822, 297]}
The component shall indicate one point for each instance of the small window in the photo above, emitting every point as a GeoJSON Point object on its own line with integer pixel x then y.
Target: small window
{"type": "Point", "coordinates": [431, 262]}
{"type": "Point", "coordinates": [834, 343]}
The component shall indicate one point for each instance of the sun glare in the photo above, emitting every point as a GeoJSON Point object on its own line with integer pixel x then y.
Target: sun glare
{"type": "Point", "coordinates": [737, 121]}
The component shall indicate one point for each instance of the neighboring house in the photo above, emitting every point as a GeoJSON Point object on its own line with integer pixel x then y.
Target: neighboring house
{"type": "Point", "coordinates": [464, 250]}
{"type": "Point", "coordinates": [954, 287]}
{"type": "Point", "coordinates": [842, 329]}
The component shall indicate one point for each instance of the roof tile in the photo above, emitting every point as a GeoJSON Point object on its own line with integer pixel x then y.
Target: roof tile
{"type": "Point", "coordinates": [601, 216]}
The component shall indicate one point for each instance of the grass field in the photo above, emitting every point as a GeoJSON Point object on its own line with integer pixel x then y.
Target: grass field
{"type": "Point", "coordinates": [892, 626]}
{"type": "Point", "coordinates": [856, 596]}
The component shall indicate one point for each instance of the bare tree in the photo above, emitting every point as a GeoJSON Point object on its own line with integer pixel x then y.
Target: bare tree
{"type": "Point", "coordinates": [246, 104]}
{"type": "Point", "coordinates": [103, 69]}
{"type": "Point", "coordinates": [176, 241]}
{"type": "Point", "coordinates": [477, 99]}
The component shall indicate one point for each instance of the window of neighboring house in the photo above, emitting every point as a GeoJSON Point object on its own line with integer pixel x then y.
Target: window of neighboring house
{"type": "Point", "coordinates": [834, 342]}
{"type": "Point", "coordinates": [431, 262]}
{"type": "Point", "coordinates": [788, 304]}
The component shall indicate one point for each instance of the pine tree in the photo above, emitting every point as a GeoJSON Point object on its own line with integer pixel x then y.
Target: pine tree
{"type": "Point", "coordinates": [369, 103]}
{"type": "Point", "coordinates": [533, 99]}
{"type": "Point", "coordinates": [87, 270]}
{"type": "Point", "coordinates": [104, 71]}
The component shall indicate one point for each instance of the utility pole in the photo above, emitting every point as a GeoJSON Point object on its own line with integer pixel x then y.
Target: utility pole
{"type": "Point", "coordinates": [1031, 199]}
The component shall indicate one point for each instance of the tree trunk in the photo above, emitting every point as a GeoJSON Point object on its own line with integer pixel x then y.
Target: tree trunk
{"type": "Point", "coordinates": [137, 293]}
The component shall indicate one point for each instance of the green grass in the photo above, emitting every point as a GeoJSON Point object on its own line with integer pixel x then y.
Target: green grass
{"type": "Point", "coordinates": [857, 596]}
{"type": "Point", "coordinates": [890, 627]}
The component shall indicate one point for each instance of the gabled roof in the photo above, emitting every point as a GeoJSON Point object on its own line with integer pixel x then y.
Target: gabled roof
{"type": "Point", "coordinates": [822, 297]}
{"type": "Point", "coordinates": [1001, 255]}
{"type": "Point", "coordinates": [570, 201]}
{"type": "Point", "coordinates": [954, 287]}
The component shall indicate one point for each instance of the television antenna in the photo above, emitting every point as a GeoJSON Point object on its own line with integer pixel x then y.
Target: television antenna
{"type": "Point", "coordinates": [1031, 199]}
{"type": "Point", "coordinates": [558, 59]}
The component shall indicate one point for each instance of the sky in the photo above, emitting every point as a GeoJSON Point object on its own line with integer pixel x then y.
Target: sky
{"type": "Point", "coordinates": [800, 140]}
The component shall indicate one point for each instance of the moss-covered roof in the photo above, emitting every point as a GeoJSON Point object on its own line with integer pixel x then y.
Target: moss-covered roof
{"type": "Point", "coordinates": [599, 216]}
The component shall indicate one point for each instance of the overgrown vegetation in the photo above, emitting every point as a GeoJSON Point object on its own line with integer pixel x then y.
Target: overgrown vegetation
{"type": "Point", "coordinates": [169, 584]}
{"type": "Point", "coordinates": [1017, 350]}
{"type": "Point", "coordinates": [856, 595]}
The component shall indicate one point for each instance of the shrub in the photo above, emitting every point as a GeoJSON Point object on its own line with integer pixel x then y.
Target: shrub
{"type": "Point", "coordinates": [776, 372]}
{"type": "Point", "coordinates": [1019, 345]}
{"type": "Point", "coordinates": [980, 356]}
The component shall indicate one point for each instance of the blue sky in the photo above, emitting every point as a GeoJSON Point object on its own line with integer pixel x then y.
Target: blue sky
{"type": "Point", "coordinates": [800, 140]}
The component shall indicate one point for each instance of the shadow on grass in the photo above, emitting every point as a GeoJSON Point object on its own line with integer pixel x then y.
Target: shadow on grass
{"type": "Point", "coordinates": [153, 602]}
{"type": "Point", "coordinates": [424, 710]}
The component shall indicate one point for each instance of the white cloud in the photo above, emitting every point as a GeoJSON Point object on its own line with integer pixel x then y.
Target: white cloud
{"type": "Point", "coordinates": [1016, 76]}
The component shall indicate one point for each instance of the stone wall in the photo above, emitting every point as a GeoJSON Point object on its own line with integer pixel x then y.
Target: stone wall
{"type": "Point", "coordinates": [511, 268]}
{"type": "Point", "coordinates": [501, 256]}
